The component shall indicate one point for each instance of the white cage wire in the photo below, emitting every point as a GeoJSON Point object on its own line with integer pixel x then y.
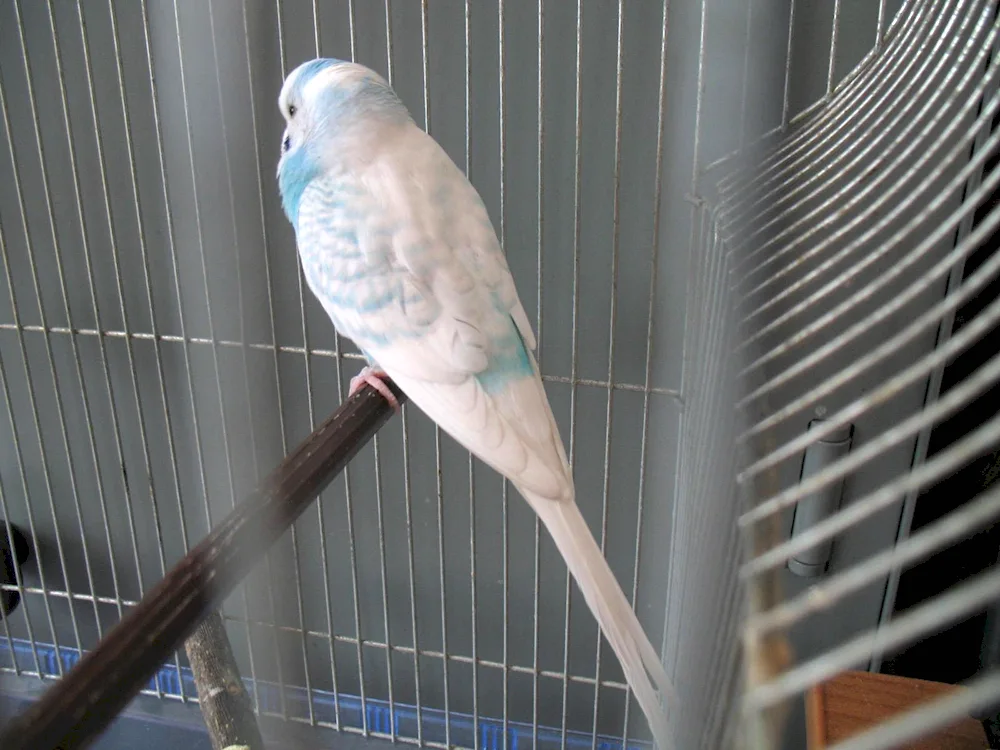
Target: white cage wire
{"type": "Point", "coordinates": [724, 220]}
{"type": "Point", "coordinates": [868, 270]}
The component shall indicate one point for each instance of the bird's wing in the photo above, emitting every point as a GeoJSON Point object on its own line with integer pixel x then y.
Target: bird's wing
{"type": "Point", "coordinates": [406, 262]}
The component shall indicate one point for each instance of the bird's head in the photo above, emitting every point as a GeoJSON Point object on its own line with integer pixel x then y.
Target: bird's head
{"type": "Point", "coordinates": [333, 110]}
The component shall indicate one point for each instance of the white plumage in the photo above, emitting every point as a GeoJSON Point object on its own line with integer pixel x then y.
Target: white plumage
{"type": "Point", "coordinates": [398, 247]}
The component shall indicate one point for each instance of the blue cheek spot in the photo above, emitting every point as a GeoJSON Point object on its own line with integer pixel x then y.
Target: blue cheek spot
{"type": "Point", "coordinates": [298, 170]}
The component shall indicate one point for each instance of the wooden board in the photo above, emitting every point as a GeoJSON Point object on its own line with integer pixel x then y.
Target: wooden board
{"type": "Point", "coordinates": [854, 701]}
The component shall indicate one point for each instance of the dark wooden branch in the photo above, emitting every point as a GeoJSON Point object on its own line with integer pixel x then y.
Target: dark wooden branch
{"type": "Point", "coordinates": [77, 708]}
{"type": "Point", "coordinates": [222, 696]}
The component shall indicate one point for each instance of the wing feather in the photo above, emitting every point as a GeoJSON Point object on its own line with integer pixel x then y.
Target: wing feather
{"type": "Point", "coordinates": [511, 430]}
{"type": "Point", "coordinates": [406, 263]}
{"type": "Point", "coordinates": [405, 252]}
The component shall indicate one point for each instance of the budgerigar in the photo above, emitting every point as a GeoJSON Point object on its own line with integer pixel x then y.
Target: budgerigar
{"type": "Point", "coordinates": [398, 247]}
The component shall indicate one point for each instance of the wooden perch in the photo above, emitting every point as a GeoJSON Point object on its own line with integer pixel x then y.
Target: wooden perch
{"type": "Point", "coordinates": [224, 702]}
{"type": "Point", "coordinates": [77, 708]}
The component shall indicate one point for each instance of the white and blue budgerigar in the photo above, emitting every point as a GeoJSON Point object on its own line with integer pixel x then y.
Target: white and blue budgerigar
{"type": "Point", "coordinates": [398, 247]}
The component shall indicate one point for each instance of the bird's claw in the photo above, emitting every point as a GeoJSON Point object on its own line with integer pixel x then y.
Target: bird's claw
{"type": "Point", "coordinates": [374, 377]}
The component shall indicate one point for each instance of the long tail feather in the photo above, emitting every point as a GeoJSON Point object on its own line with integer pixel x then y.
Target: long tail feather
{"type": "Point", "coordinates": [607, 601]}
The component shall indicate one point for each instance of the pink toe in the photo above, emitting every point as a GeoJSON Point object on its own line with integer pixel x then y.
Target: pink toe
{"type": "Point", "coordinates": [373, 377]}
{"type": "Point", "coordinates": [379, 385]}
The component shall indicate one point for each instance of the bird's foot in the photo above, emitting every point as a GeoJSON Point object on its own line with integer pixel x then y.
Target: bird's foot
{"type": "Point", "coordinates": [373, 376]}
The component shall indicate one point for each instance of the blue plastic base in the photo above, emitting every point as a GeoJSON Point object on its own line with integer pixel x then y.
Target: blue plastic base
{"type": "Point", "coordinates": [374, 715]}
{"type": "Point", "coordinates": [133, 727]}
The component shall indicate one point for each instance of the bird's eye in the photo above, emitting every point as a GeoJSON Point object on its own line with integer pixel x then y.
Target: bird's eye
{"type": "Point", "coordinates": [291, 110]}
{"type": "Point", "coordinates": [287, 143]}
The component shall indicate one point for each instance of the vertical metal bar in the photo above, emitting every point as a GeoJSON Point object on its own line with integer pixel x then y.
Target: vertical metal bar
{"type": "Point", "coordinates": [715, 278]}
{"type": "Point", "coordinates": [48, 344]}
{"type": "Point", "coordinates": [274, 339]}
{"type": "Point", "coordinates": [388, 43]}
{"type": "Point", "coordinates": [112, 234]}
{"type": "Point", "coordinates": [302, 299]}
{"type": "Point", "coordinates": [833, 48]}
{"type": "Point", "coordinates": [472, 461]}
{"type": "Point", "coordinates": [439, 472]}
{"type": "Point", "coordinates": [299, 596]}
{"type": "Point", "coordinates": [408, 502]}
{"type": "Point", "coordinates": [297, 563]}
{"type": "Point", "coordinates": [242, 325]}
{"type": "Point", "coordinates": [354, 33]}
{"type": "Point", "coordinates": [328, 603]}
{"type": "Point", "coordinates": [385, 585]}
{"type": "Point", "coordinates": [705, 383]}
{"type": "Point", "coordinates": [538, 355]}
{"type": "Point", "coordinates": [699, 101]}
{"type": "Point", "coordinates": [702, 496]}
{"type": "Point", "coordinates": [684, 486]}
{"type": "Point", "coordinates": [15, 667]}
{"type": "Point", "coordinates": [726, 641]}
{"type": "Point", "coordinates": [425, 62]}
{"type": "Point", "coordinates": [505, 499]}
{"type": "Point", "coordinates": [726, 649]}
{"type": "Point", "coordinates": [338, 344]}
{"type": "Point", "coordinates": [708, 506]}
{"type": "Point", "coordinates": [612, 322]}
{"type": "Point", "coordinates": [85, 400]}
{"type": "Point", "coordinates": [540, 204]}
{"type": "Point", "coordinates": [17, 452]}
{"type": "Point", "coordinates": [199, 229]}
{"type": "Point", "coordinates": [880, 26]}
{"type": "Point", "coordinates": [377, 452]}
{"type": "Point", "coordinates": [445, 656]}
{"type": "Point", "coordinates": [339, 362]}
{"type": "Point", "coordinates": [176, 277]}
{"type": "Point", "coordinates": [574, 335]}
{"type": "Point", "coordinates": [788, 66]}
{"type": "Point", "coordinates": [376, 447]}
{"type": "Point", "coordinates": [746, 77]}
{"type": "Point", "coordinates": [407, 487]}
{"type": "Point", "coordinates": [474, 621]}
{"type": "Point", "coordinates": [654, 256]}
{"type": "Point", "coordinates": [24, 485]}
{"type": "Point", "coordinates": [349, 506]}
{"type": "Point", "coordinates": [18, 581]}
{"type": "Point", "coordinates": [695, 211]}
{"type": "Point", "coordinates": [307, 364]}
{"type": "Point", "coordinates": [173, 257]}
{"type": "Point", "coordinates": [317, 44]}
{"type": "Point", "coordinates": [147, 281]}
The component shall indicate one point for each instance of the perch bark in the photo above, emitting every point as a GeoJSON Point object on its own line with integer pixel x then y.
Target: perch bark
{"type": "Point", "coordinates": [224, 702]}
{"type": "Point", "coordinates": [77, 708]}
